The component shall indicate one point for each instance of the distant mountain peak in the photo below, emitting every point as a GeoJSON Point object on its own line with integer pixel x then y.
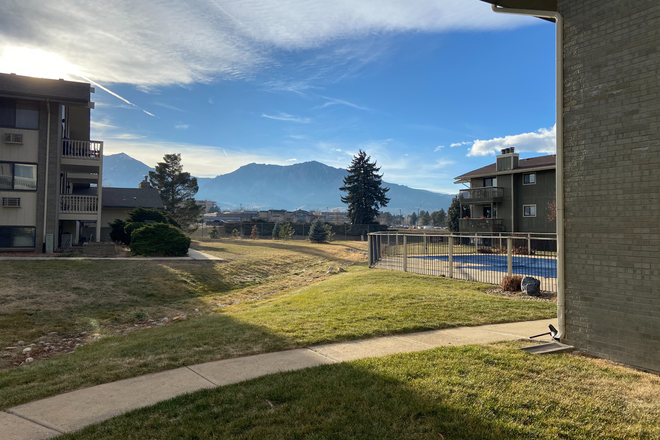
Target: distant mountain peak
{"type": "Point", "coordinates": [312, 185]}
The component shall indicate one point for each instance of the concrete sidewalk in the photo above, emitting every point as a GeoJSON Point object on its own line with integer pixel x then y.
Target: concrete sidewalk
{"type": "Point", "coordinates": [72, 411]}
{"type": "Point", "coordinates": [193, 255]}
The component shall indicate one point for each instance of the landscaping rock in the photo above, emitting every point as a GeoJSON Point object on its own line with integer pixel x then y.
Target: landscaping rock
{"type": "Point", "coordinates": [531, 286]}
{"type": "Point", "coordinates": [29, 360]}
{"type": "Point", "coordinates": [27, 350]}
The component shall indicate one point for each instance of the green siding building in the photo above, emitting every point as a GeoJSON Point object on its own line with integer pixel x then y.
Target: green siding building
{"type": "Point", "coordinates": [511, 195]}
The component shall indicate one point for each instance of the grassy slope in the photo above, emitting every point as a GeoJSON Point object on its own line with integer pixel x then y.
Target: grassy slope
{"type": "Point", "coordinates": [351, 305]}
{"type": "Point", "coordinates": [453, 393]}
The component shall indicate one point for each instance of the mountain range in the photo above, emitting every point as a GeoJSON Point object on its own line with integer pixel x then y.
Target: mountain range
{"type": "Point", "coordinates": [308, 186]}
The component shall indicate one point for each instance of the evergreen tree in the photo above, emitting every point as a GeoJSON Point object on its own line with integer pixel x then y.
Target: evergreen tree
{"type": "Point", "coordinates": [413, 219]}
{"type": "Point", "coordinates": [214, 233]}
{"type": "Point", "coordinates": [365, 194]}
{"type": "Point", "coordinates": [318, 232]}
{"type": "Point", "coordinates": [425, 219]}
{"type": "Point", "coordinates": [255, 233]}
{"type": "Point", "coordinates": [439, 217]}
{"type": "Point", "coordinates": [276, 231]}
{"type": "Point", "coordinates": [286, 232]}
{"type": "Point", "coordinates": [177, 190]}
{"type": "Point", "coordinates": [454, 214]}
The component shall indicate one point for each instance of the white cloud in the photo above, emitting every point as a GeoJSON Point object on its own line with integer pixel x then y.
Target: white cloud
{"type": "Point", "coordinates": [292, 160]}
{"type": "Point", "coordinates": [438, 148]}
{"type": "Point", "coordinates": [444, 163]}
{"type": "Point", "coordinates": [127, 136]}
{"type": "Point", "coordinates": [459, 144]}
{"type": "Point", "coordinates": [199, 160]}
{"type": "Point", "coordinates": [165, 42]}
{"type": "Point", "coordinates": [181, 126]}
{"type": "Point", "coordinates": [287, 117]}
{"type": "Point", "coordinates": [542, 141]}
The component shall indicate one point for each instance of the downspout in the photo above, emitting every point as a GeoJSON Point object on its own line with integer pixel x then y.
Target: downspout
{"type": "Point", "coordinates": [559, 21]}
{"type": "Point", "coordinates": [46, 179]}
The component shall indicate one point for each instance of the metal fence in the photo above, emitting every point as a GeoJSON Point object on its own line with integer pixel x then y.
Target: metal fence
{"type": "Point", "coordinates": [482, 258]}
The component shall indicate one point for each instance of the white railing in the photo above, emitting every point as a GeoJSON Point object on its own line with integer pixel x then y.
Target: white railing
{"type": "Point", "coordinates": [91, 150]}
{"type": "Point", "coordinates": [73, 204]}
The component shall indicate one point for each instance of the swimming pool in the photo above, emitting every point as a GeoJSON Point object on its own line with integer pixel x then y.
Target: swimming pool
{"type": "Point", "coordinates": [521, 265]}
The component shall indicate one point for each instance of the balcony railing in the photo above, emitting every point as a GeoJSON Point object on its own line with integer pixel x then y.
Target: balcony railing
{"type": "Point", "coordinates": [88, 150]}
{"type": "Point", "coordinates": [72, 204]}
{"type": "Point", "coordinates": [489, 194]}
{"type": "Point", "coordinates": [481, 225]}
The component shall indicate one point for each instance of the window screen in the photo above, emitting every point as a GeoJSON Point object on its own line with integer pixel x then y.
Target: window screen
{"type": "Point", "coordinates": [27, 115]}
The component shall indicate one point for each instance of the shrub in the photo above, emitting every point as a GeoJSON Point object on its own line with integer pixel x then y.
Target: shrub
{"type": "Point", "coordinates": [287, 231]}
{"type": "Point", "coordinates": [159, 239]}
{"type": "Point", "coordinates": [276, 231]}
{"type": "Point", "coordinates": [511, 283]}
{"type": "Point", "coordinates": [214, 233]}
{"type": "Point", "coordinates": [142, 215]}
{"type": "Point", "coordinates": [255, 232]}
{"type": "Point", "coordinates": [118, 234]}
{"type": "Point", "coordinates": [235, 233]}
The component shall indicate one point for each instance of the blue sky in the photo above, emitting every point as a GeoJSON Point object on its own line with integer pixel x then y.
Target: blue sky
{"type": "Point", "coordinates": [429, 89]}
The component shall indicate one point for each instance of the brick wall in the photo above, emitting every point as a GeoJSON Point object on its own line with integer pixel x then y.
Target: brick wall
{"type": "Point", "coordinates": [612, 178]}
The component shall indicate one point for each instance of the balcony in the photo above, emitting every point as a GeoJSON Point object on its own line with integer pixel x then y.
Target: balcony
{"type": "Point", "coordinates": [77, 207]}
{"type": "Point", "coordinates": [84, 153]}
{"type": "Point", "coordinates": [475, 196]}
{"type": "Point", "coordinates": [487, 225]}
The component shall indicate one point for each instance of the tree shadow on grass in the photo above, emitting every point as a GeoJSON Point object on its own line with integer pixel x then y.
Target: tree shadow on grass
{"type": "Point", "coordinates": [342, 401]}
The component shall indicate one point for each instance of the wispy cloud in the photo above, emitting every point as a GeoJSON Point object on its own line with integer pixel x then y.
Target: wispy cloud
{"type": "Point", "coordinates": [292, 160]}
{"type": "Point", "coordinates": [333, 101]}
{"type": "Point", "coordinates": [127, 136]}
{"type": "Point", "coordinates": [101, 125]}
{"type": "Point", "coordinates": [299, 136]}
{"type": "Point", "coordinates": [170, 107]}
{"type": "Point", "coordinates": [438, 148]}
{"type": "Point", "coordinates": [181, 126]}
{"type": "Point", "coordinates": [459, 144]}
{"type": "Point", "coordinates": [542, 141]}
{"type": "Point", "coordinates": [287, 117]}
{"type": "Point", "coordinates": [136, 43]}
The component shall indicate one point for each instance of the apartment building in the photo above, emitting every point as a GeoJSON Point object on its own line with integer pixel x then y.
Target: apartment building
{"type": "Point", "coordinates": [608, 163]}
{"type": "Point", "coordinates": [47, 164]}
{"type": "Point", "coordinates": [512, 195]}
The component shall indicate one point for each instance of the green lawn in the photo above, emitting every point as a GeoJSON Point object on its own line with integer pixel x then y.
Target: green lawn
{"type": "Point", "coordinates": [468, 392]}
{"type": "Point", "coordinates": [274, 297]}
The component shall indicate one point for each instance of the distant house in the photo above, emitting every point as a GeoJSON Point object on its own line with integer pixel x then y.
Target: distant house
{"type": "Point", "coordinates": [207, 204]}
{"type": "Point", "coordinates": [511, 195]}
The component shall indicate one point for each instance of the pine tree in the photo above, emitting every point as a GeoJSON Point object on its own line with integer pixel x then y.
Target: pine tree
{"type": "Point", "coordinates": [454, 214]}
{"type": "Point", "coordinates": [365, 193]}
{"type": "Point", "coordinates": [276, 231]}
{"type": "Point", "coordinates": [425, 219]}
{"type": "Point", "coordinates": [214, 233]}
{"type": "Point", "coordinates": [177, 190]}
{"type": "Point", "coordinates": [255, 233]}
{"type": "Point", "coordinates": [318, 232]}
{"type": "Point", "coordinates": [286, 232]}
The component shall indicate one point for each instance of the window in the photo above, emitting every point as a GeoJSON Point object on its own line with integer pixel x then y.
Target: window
{"type": "Point", "coordinates": [18, 176]}
{"type": "Point", "coordinates": [17, 236]}
{"type": "Point", "coordinates": [19, 114]}
{"type": "Point", "coordinates": [529, 210]}
{"type": "Point", "coordinates": [490, 181]}
{"type": "Point", "coordinates": [529, 179]}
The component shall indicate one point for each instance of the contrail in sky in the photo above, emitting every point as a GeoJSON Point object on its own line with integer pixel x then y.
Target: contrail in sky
{"type": "Point", "coordinates": [114, 94]}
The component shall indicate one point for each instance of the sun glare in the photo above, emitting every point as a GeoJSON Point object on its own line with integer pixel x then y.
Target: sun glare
{"type": "Point", "coordinates": [36, 63]}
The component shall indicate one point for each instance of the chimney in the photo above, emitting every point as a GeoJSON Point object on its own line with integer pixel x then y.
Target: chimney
{"type": "Point", "coordinates": [508, 160]}
{"type": "Point", "coordinates": [144, 184]}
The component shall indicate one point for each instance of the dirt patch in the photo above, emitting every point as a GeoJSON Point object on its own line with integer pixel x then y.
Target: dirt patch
{"type": "Point", "coordinates": [544, 296]}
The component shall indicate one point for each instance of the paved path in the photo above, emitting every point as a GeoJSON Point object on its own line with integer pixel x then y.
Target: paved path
{"type": "Point", "coordinates": [193, 255]}
{"type": "Point", "coordinates": [72, 411]}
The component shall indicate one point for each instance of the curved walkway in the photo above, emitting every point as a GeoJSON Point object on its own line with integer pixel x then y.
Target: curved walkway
{"type": "Point", "coordinates": [72, 411]}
